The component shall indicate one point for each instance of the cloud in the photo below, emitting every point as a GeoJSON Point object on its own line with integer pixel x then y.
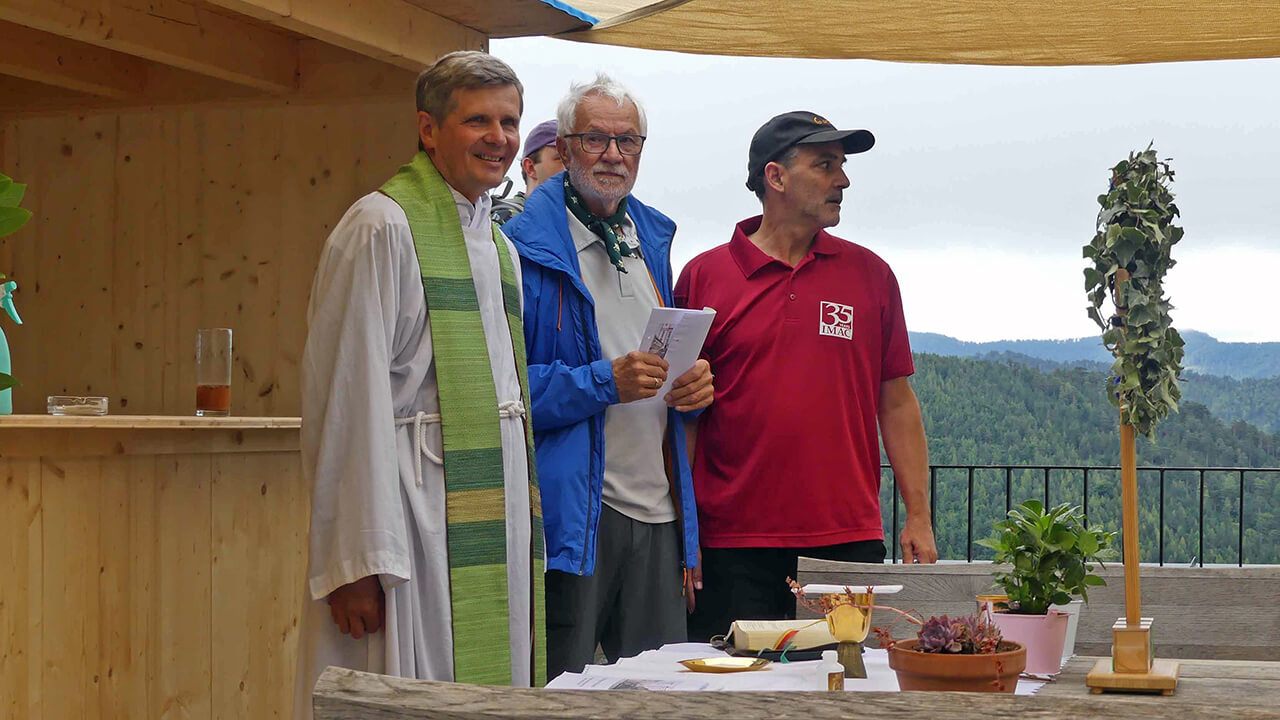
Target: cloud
{"type": "Point", "coordinates": [978, 172]}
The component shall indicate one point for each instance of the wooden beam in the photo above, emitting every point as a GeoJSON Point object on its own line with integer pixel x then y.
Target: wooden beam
{"type": "Point", "coordinates": [171, 32]}
{"type": "Point", "coordinates": [507, 18]}
{"type": "Point", "coordinates": [52, 60]}
{"type": "Point", "coordinates": [327, 74]}
{"type": "Point", "coordinates": [393, 31]}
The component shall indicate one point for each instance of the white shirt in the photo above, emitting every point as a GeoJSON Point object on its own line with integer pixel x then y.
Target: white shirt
{"type": "Point", "coordinates": [635, 477]}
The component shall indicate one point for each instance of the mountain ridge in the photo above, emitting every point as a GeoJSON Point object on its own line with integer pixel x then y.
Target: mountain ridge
{"type": "Point", "coordinates": [1205, 354]}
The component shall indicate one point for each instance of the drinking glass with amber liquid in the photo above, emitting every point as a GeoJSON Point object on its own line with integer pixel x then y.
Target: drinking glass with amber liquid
{"type": "Point", "coordinates": [213, 372]}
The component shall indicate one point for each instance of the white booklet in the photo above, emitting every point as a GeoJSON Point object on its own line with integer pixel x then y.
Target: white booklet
{"type": "Point", "coordinates": [676, 335]}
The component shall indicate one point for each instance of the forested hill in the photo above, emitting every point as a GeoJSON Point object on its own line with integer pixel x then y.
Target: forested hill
{"type": "Point", "coordinates": [1006, 412]}
{"type": "Point", "coordinates": [1254, 400]}
{"type": "Point", "coordinates": [1205, 353]}
{"type": "Point", "coordinates": [982, 412]}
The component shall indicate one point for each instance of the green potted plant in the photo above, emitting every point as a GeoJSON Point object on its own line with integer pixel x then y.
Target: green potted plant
{"type": "Point", "coordinates": [1049, 556]}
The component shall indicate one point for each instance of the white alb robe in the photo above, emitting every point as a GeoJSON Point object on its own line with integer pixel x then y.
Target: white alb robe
{"type": "Point", "coordinates": [367, 363]}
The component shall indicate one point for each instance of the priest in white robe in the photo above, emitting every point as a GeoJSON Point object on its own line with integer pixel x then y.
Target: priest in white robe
{"type": "Point", "coordinates": [378, 594]}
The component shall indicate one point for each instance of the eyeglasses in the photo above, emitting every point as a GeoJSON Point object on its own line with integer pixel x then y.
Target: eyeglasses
{"type": "Point", "coordinates": [598, 142]}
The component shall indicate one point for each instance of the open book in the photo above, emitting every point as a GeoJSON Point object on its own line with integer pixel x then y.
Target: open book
{"type": "Point", "coordinates": [676, 335]}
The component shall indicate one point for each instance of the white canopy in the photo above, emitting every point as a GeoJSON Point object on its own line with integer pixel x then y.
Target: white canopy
{"type": "Point", "coordinates": [984, 32]}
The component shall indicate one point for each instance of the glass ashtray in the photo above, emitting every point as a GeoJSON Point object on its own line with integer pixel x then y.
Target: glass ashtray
{"type": "Point", "coordinates": [76, 405]}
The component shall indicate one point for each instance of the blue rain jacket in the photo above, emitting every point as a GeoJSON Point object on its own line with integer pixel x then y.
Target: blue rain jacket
{"type": "Point", "coordinates": [571, 384]}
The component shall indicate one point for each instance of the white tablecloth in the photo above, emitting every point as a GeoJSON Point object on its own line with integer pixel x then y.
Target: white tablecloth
{"type": "Point", "coordinates": [661, 670]}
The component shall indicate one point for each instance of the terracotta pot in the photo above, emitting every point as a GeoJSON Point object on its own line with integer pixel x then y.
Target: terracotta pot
{"type": "Point", "coordinates": [997, 672]}
{"type": "Point", "coordinates": [1041, 635]}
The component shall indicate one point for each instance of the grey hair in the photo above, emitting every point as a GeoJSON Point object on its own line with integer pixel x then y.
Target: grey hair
{"type": "Point", "coordinates": [567, 111]}
{"type": "Point", "coordinates": [785, 159]}
{"type": "Point", "coordinates": [468, 69]}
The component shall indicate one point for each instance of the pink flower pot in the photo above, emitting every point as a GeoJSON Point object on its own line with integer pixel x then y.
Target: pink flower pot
{"type": "Point", "coordinates": [1041, 635]}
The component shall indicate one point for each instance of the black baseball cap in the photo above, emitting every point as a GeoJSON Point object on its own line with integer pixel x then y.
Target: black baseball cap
{"type": "Point", "coordinates": [799, 127]}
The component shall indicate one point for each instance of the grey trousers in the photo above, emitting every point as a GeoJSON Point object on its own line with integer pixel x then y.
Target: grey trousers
{"type": "Point", "coordinates": [634, 601]}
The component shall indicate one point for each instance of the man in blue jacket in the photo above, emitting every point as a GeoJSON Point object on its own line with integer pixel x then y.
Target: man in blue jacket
{"type": "Point", "coordinates": [617, 493]}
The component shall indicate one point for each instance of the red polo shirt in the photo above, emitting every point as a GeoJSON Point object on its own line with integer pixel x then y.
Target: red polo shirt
{"type": "Point", "coordinates": [789, 454]}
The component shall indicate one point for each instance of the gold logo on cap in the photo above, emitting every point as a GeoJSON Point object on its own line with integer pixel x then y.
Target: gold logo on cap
{"type": "Point", "coordinates": [817, 120]}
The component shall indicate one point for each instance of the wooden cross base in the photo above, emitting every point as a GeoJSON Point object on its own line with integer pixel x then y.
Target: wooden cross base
{"type": "Point", "coordinates": [1132, 666]}
{"type": "Point", "coordinates": [1163, 678]}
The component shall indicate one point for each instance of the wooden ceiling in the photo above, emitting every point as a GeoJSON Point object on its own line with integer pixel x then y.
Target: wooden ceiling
{"type": "Point", "coordinates": [57, 53]}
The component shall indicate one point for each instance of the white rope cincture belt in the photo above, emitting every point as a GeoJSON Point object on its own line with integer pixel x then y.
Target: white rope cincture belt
{"type": "Point", "coordinates": [420, 421]}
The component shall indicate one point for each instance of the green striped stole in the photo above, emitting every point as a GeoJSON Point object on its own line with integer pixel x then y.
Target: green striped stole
{"type": "Point", "coordinates": [475, 500]}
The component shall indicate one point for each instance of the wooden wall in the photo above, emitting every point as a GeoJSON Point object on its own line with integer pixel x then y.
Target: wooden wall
{"type": "Point", "coordinates": [155, 581]}
{"type": "Point", "coordinates": [154, 222]}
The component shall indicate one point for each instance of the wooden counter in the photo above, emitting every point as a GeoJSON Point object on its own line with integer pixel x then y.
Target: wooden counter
{"type": "Point", "coordinates": [1208, 689]}
{"type": "Point", "coordinates": [150, 567]}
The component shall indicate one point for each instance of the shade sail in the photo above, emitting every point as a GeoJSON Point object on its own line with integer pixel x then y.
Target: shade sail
{"type": "Point", "coordinates": [982, 32]}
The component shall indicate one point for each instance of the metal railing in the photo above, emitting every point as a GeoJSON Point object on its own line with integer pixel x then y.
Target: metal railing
{"type": "Point", "coordinates": [1084, 470]}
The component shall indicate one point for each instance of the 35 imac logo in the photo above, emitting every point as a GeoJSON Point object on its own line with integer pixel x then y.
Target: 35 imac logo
{"type": "Point", "coordinates": [835, 320]}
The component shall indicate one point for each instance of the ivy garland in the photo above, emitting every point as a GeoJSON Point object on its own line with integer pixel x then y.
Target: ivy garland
{"type": "Point", "coordinates": [1135, 233]}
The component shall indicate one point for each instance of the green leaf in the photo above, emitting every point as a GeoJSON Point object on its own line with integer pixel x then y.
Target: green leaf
{"type": "Point", "coordinates": [1123, 247]}
{"type": "Point", "coordinates": [7, 381]}
{"type": "Point", "coordinates": [1092, 580]}
{"type": "Point", "coordinates": [11, 219]}
{"type": "Point", "coordinates": [11, 193]}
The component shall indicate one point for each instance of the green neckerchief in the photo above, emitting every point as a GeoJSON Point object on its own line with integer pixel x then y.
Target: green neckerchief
{"type": "Point", "coordinates": [475, 498]}
{"type": "Point", "coordinates": [607, 229]}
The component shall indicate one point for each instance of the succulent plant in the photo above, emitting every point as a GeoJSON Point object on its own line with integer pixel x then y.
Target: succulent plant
{"type": "Point", "coordinates": [941, 635]}
{"type": "Point", "coordinates": [961, 635]}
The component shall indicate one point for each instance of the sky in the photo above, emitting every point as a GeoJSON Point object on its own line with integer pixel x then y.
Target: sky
{"type": "Point", "coordinates": [982, 187]}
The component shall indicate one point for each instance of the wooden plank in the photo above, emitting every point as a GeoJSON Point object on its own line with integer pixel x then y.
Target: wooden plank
{"type": "Point", "coordinates": [145, 143]}
{"type": "Point", "coordinates": [184, 558]}
{"type": "Point", "coordinates": [143, 614]}
{"type": "Point", "coordinates": [71, 630]}
{"type": "Point", "coordinates": [50, 59]}
{"type": "Point", "coordinates": [68, 442]}
{"type": "Point", "coordinates": [170, 32]}
{"type": "Point", "coordinates": [347, 694]}
{"type": "Point", "coordinates": [257, 582]}
{"type": "Point", "coordinates": [257, 307]}
{"type": "Point", "coordinates": [506, 18]}
{"type": "Point", "coordinates": [491, 18]}
{"type": "Point", "coordinates": [21, 537]}
{"type": "Point", "coordinates": [183, 306]}
{"type": "Point", "coordinates": [118, 685]}
{"type": "Point", "coordinates": [325, 74]}
{"type": "Point", "coordinates": [236, 579]}
{"type": "Point", "coordinates": [148, 422]}
{"type": "Point", "coordinates": [392, 31]}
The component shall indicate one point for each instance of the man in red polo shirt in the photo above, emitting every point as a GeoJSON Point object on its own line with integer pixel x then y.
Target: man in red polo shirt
{"type": "Point", "coordinates": [812, 357]}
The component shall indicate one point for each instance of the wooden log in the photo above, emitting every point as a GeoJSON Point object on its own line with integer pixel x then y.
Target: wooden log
{"type": "Point", "coordinates": [348, 694]}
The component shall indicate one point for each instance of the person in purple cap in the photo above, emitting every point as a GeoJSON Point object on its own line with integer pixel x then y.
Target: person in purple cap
{"type": "Point", "coordinates": [541, 160]}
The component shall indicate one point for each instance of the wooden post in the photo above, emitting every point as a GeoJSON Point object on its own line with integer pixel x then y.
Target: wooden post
{"type": "Point", "coordinates": [1129, 518]}
{"type": "Point", "coordinates": [1132, 666]}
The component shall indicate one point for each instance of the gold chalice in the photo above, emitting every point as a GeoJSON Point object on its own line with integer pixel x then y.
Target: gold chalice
{"type": "Point", "coordinates": [849, 620]}
{"type": "Point", "coordinates": [848, 614]}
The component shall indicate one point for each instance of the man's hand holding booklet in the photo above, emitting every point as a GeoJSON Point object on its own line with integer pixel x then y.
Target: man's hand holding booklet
{"type": "Point", "coordinates": [676, 335]}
